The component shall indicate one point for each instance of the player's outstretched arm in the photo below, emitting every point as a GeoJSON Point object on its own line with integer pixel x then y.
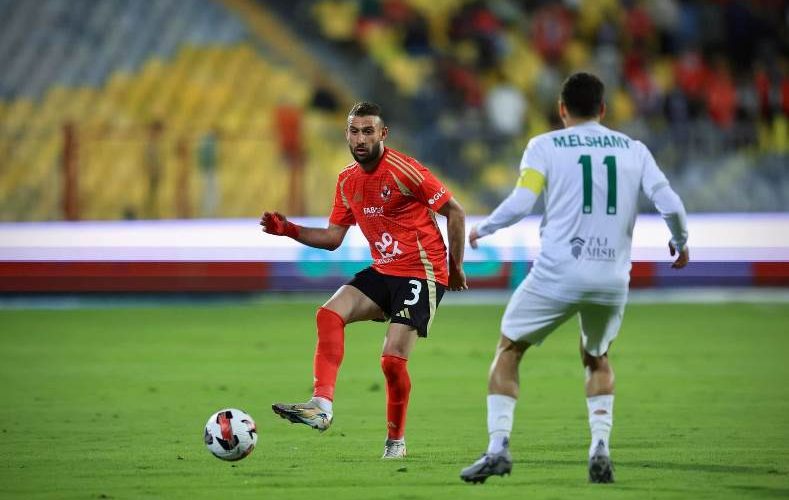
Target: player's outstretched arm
{"type": "Point", "coordinates": [329, 238]}
{"type": "Point", "coordinates": [514, 208]}
{"type": "Point", "coordinates": [456, 231]}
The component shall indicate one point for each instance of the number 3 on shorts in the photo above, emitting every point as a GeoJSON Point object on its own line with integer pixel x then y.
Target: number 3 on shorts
{"type": "Point", "coordinates": [417, 288]}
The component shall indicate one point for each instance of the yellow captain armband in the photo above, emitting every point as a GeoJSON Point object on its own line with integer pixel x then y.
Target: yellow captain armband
{"type": "Point", "coordinates": [532, 180]}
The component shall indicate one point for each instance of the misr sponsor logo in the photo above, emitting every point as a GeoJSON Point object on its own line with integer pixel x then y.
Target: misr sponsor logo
{"type": "Point", "coordinates": [592, 248]}
{"type": "Point", "coordinates": [437, 196]}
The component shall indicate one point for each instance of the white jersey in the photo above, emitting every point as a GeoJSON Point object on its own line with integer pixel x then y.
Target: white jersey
{"type": "Point", "coordinates": [592, 178]}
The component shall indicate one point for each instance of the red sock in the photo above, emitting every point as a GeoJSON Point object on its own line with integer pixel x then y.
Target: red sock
{"type": "Point", "coordinates": [328, 352]}
{"type": "Point", "coordinates": [398, 389]}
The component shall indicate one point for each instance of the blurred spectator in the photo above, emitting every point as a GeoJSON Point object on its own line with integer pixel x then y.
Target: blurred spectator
{"type": "Point", "coordinates": [639, 27]}
{"type": "Point", "coordinates": [691, 77]}
{"type": "Point", "coordinates": [784, 89]}
{"type": "Point", "coordinates": [324, 99]}
{"type": "Point", "coordinates": [640, 81]}
{"type": "Point", "coordinates": [460, 82]}
{"type": "Point", "coordinates": [154, 168]}
{"type": "Point", "coordinates": [416, 37]}
{"type": "Point", "coordinates": [207, 158]}
{"type": "Point", "coordinates": [721, 95]}
{"type": "Point", "coordinates": [665, 15]}
{"type": "Point", "coordinates": [288, 119]}
{"type": "Point", "coordinates": [475, 24]}
{"type": "Point", "coordinates": [763, 91]}
{"type": "Point", "coordinates": [676, 107]}
{"type": "Point", "coordinates": [505, 106]}
{"type": "Point", "coordinates": [691, 74]}
{"type": "Point", "coordinates": [742, 30]}
{"type": "Point", "coordinates": [551, 31]}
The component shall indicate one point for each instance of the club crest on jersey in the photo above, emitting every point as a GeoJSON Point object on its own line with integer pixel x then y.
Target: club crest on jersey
{"type": "Point", "coordinates": [386, 193]}
{"type": "Point", "coordinates": [357, 197]}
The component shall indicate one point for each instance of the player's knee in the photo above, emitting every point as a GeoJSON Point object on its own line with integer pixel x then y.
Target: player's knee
{"type": "Point", "coordinates": [595, 363]}
{"type": "Point", "coordinates": [392, 366]}
{"type": "Point", "coordinates": [327, 314]}
{"type": "Point", "coordinates": [395, 349]}
{"type": "Point", "coordinates": [512, 348]}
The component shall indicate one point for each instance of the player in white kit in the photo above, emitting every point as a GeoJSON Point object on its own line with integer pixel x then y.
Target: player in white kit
{"type": "Point", "coordinates": [590, 177]}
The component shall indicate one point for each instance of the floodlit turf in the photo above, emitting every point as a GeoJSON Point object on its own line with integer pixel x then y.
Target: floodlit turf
{"type": "Point", "coordinates": [111, 403]}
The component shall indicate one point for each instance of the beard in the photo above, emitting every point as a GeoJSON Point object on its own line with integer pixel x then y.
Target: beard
{"type": "Point", "coordinates": [375, 150]}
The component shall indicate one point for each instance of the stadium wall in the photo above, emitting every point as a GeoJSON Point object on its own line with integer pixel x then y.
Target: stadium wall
{"type": "Point", "coordinates": [234, 256]}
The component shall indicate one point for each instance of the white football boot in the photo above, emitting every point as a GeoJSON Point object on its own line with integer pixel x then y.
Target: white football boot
{"type": "Point", "coordinates": [394, 448]}
{"type": "Point", "coordinates": [308, 413]}
{"type": "Point", "coordinates": [601, 468]}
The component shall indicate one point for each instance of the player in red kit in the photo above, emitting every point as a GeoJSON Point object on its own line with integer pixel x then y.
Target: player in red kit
{"type": "Point", "coordinates": [393, 199]}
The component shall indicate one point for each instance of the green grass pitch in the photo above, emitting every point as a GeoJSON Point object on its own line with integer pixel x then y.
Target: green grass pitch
{"type": "Point", "coordinates": [111, 403]}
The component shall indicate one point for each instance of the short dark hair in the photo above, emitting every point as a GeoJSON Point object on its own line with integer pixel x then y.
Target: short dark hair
{"type": "Point", "coordinates": [365, 108]}
{"type": "Point", "coordinates": [582, 95]}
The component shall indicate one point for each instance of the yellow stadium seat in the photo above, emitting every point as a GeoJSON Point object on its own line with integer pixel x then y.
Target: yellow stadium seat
{"type": "Point", "coordinates": [232, 89]}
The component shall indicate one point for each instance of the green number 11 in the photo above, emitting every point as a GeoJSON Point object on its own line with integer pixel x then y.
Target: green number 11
{"type": "Point", "coordinates": [586, 164]}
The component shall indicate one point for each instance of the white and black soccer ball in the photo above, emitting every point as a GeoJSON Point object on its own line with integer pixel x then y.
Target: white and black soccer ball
{"type": "Point", "coordinates": [230, 434]}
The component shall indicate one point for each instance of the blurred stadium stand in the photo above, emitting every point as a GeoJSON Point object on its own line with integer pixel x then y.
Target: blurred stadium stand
{"type": "Point", "coordinates": [705, 84]}
{"type": "Point", "coordinates": [130, 109]}
{"type": "Point", "coordinates": [156, 102]}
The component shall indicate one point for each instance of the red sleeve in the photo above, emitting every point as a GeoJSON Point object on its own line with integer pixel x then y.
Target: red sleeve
{"type": "Point", "coordinates": [341, 214]}
{"type": "Point", "coordinates": [430, 191]}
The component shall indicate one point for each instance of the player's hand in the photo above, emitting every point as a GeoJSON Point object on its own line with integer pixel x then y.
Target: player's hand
{"type": "Point", "coordinates": [276, 223]}
{"type": "Point", "coordinates": [457, 280]}
{"type": "Point", "coordinates": [273, 223]}
{"type": "Point", "coordinates": [473, 236]}
{"type": "Point", "coordinates": [683, 257]}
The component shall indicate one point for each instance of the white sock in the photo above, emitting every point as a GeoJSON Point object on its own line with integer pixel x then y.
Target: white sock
{"type": "Point", "coordinates": [323, 403]}
{"type": "Point", "coordinates": [601, 418]}
{"type": "Point", "coordinates": [500, 414]}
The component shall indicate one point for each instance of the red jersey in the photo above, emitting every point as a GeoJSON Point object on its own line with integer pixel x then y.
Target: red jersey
{"type": "Point", "coordinates": [393, 206]}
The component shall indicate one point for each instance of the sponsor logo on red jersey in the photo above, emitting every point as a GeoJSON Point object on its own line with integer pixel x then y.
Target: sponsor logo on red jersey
{"type": "Point", "coordinates": [437, 196]}
{"type": "Point", "coordinates": [373, 211]}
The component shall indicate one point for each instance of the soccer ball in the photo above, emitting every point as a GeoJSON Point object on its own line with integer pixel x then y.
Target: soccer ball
{"type": "Point", "coordinates": [230, 434]}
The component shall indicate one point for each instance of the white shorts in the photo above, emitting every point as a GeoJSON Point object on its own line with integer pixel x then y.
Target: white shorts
{"type": "Point", "coordinates": [530, 317]}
